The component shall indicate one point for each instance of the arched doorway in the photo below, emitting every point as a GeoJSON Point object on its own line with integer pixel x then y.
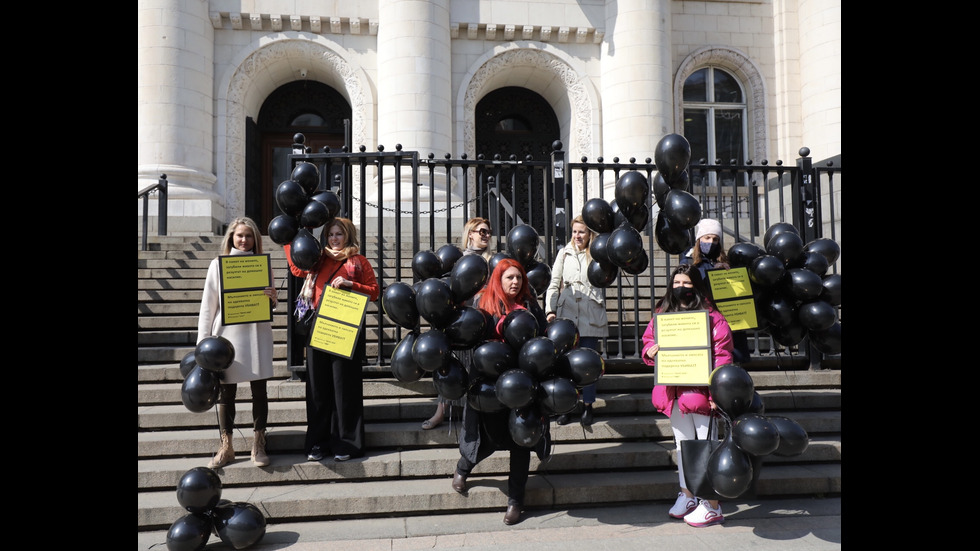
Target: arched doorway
{"type": "Point", "coordinates": [314, 109]}
{"type": "Point", "coordinates": [516, 121]}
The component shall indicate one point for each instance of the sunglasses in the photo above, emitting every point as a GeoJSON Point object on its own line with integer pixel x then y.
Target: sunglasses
{"type": "Point", "coordinates": [483, 232]}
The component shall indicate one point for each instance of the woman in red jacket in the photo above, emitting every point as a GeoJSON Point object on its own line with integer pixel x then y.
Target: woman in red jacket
{"type": "Point", "coordinates": [334, 392]}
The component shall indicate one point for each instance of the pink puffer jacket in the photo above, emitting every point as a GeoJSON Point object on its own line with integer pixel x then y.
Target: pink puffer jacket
{"type": "Point", "coordinates": [691, 399]}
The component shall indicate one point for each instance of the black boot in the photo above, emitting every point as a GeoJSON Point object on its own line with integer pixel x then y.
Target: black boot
{"type": "Point", "coordinates": [587, 415]}
{"type": "Point", "coordinates": [564, 419]}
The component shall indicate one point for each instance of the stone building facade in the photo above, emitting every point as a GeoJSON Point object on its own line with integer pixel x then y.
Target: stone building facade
{"type": "Point", "coordinates": [215, 75]}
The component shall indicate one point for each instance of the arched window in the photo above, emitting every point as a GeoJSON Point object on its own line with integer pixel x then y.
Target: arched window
{"type": "Point", "coordinates": [714, 114]}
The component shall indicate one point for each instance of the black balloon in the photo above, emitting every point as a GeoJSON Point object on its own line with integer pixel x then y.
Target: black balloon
{"type": "Point", "coordinates": [757, 406]}
{"type": "Point", "coordinates": [742, 254]}
{"type": "Point", "coordinates": [199, 391]}
{"type": "Point", "coordinates": [435, 302]}
{"type": "Point", "coordinates": [239, 525]}
{"type": "Point", "coordinates": [682, 209]}
{"type": "Point", "coordinates": [518, 327]}
{"type": "Point", "coordinates": [639, 264]}
{"type": "Point", "coordinates": [283, 228]}
{"type": "Point", "coordinates": [557, 396]}
{"type": "Point", "coordinates": [755, 434]}
{"type": "Point", "coordinates": [732, 389]}
{"type": "Point", "coordinates": [802, 284]}
{"type": "Point", "coordinates": [330, 200]}
{"type": "Point", "coordinates": [815, 262]}
{"type": "Point", "coordinates": [673, 240]}
{"type": "Point", "coordinates": [786, 246]}
{"type": "Point", "coordinates": [793, 439]}
{"type": "Point", "coordinates": [493, 358]}
{"type": "Point", "coordinates": [314, 215]}
{"type": "Point", "coordinates": [637, 216]}
{"type": "Point", "coordinates": [583, 366]}
{"type": "Point", "coordinates": [467, 329]}
{"type": "Point", "coordinates": [788, 335]}
{"type": "Point", "coordinates": [187, 363]}
{"type": "Point", "coordinates": [672, 155]}
{"type": "Point", "coordinates": [625, 245]}
{"type": "Point", "coordinates": [497, 257]}
{"type": "Point", "coordinates": [539, 277]}
{"type": "Point", "coordinates": [831, 289]}
{"type": "Point", "coordinates": [307, 175]}
{"type": "Point", "coordinates": [602, 274]}
{"type": "Point", "coordinates": [189, 533]}
{"type": "Point", "coordinates": [766, 270]}
{"type": "Point", "coordinates": [199, 490]}
{"type": "Point", "coordinates": [828, 248]}
{"type": "Point", "coordinates": [537, 357]}
{"type": "Point", "coordinates": [828, 340]}
{"type": "Point", "coordinates": [660, 189]}
{"type": "Point", "coordinates": [780, 310]}
{"type": "Point", "coordinates": [448, 255]}
{"type": "Point", "coordinates": [398, 303]}
{"type": "Point", "coordinates": [468, 276]}
{"type": "Point", "coordinates": [214, 353]}
{"type": "Point", "coordinates": [426, 265]}
{"type": "Point", "coordinates": [522, 243]}
{"type": "Point", "coordinates": [291, 198]}
{"type": "Point", "coordinates": [730, 470]}
{"type": "Point", "coordinates": [777, 229]}
{"type": "Point", "coordinates": [431, 350]}
{"type": "Point", "coordinates": [598, 248]}
{"type": "Point", "coordinates": [403, 364]}
{"type": "Point", "coordinates": [451, 381]}
{"type": "Point", "coordinates": [817, 315]}
{"type": "Point", "coordinates": [598, 215]}
{"type": "Point", "coordinates": [526, 426]}
{"type": "Point", "coordinates": [563, 333]}
{"type": "Point", "coordinates": [631, 191]}
{"type": "Point", "coordinates": [482, 395]}
{"type": "Point", "coordinates": [516, 388]}
{"type": "Point", "coordinates": [305, 250]}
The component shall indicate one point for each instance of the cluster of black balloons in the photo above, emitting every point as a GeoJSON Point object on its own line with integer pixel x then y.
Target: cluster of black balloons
{"type": "Point", "coordinates": [679, 211]}
{"type": "Point", "coordinates": [239, 524]}
{"type": "Point", "coordinates": [304, 208]}
{"type": "Point", "coordinates": [617, 225]}
{"type": "Point", "coordinates": [752, 435]}
{"type": "Point", "coordinates": [795, 295]}
{"type": "Point", "coordinates": [202, 369]}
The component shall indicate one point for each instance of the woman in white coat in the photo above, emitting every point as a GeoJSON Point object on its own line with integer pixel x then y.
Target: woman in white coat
{"type": "Point", "coordinates": [571, 296]}
{"type": "Point", "coordinates": [252, 343]}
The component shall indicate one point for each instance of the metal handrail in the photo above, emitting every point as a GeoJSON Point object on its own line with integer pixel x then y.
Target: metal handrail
{"type": "Point", "coordinates": [144, 194]}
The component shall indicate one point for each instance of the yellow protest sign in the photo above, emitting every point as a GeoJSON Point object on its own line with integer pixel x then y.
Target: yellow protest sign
{"type": "Point", "coordinates": [732, 294]}
{"type": "Point", "coordinates": [684, 339]}
{"type": "Point", "coordinates": [338, 321]}
{"type": "Point", "coordinates": [243, 280]}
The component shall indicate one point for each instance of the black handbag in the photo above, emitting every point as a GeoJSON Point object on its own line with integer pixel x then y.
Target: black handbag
{"type": "Point", "coordinates": [694, 456]}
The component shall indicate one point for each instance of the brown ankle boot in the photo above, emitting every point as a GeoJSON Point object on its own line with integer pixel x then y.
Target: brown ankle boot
{"type": "Point", "coordinates": [225, 455]}
{"type": "Point", "coordinates": [259, 456]}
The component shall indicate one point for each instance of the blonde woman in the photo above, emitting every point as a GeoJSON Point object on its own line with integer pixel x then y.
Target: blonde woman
{"type": "Point", "coordinates": [475, 239]}
{"type": "Point", "coordinates": [571, 296]}
{"type": "Point", "coordinates": [252, 343]}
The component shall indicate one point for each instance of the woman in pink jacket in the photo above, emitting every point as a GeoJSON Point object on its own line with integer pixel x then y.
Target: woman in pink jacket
{"type": "Point", "coordinates": [689, 407]}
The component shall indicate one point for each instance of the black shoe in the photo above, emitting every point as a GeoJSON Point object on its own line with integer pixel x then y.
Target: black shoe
{"type": "Point", "coordinates": [459, 483]}
{"type": "Point", "coordinates": [564, 419]}
{"type": "Point", "coordinates": [513, 515]}
{"type": "Point", "coordinates": [587, 416]}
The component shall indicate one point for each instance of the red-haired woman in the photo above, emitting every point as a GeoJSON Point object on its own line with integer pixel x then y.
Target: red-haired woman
{"type": "Point", "coordinates": [483, 433]}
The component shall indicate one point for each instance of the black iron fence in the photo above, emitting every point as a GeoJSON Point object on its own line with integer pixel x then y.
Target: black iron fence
{"type": "Point", "coordinates": [402, 204]}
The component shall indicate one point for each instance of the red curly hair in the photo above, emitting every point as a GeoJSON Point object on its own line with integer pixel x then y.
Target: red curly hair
{"type": "Point", "coordinates": [494, 301]}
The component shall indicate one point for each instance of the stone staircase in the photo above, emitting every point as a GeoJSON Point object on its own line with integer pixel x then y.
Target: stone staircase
{"type": "Point", "coordinates": [626, 456]}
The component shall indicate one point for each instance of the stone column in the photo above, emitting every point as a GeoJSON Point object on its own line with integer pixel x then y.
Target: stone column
{"type": "Point", "coordinates": [414, 83]}
{"type": "Point", "coordinates": [175, 113]}
{"type": "Point", "coordinates": [637, 105]}
{"type": "Point", "coordinates": [820, 71]}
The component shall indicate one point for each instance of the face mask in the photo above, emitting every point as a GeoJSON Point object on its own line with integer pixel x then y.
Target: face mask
{"type": "Point", "coordinates": [683, 294]}
{"type": "Point", "coordinates": [710, 250]}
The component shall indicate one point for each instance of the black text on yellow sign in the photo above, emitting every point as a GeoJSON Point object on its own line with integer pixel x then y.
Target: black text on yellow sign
{"type": "Point", "coordinates": [684, 357]}
{"type": "Point", "coordinates": [243, 280]}
{"type": "Point", "coordinates": [338, 321]}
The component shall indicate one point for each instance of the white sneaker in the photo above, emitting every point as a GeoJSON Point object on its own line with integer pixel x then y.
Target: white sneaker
{"type": "Point", "coordinates": [683, 505]}
{"type": "Point", "coordinates": [704, 515]}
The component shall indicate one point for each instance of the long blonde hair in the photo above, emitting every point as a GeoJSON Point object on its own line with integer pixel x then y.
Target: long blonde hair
{"type": "Point", "coordinates": [227, 244]}
{"type": "Point", "coordinates": [588, 244]}
{"type": "Point", "coordinates": [471, 225]}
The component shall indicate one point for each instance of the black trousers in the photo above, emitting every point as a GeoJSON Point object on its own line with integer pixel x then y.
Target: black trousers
{"type": "Point", "coordinates": [520, 466]}
{"type": "Point", "coordinates": [226, 406]}
{"type": "Point", "coordinates": [334, 404]}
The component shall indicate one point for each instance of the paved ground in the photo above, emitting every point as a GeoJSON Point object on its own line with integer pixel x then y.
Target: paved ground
{"type": "Point", "coordinates": [770, 524]}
